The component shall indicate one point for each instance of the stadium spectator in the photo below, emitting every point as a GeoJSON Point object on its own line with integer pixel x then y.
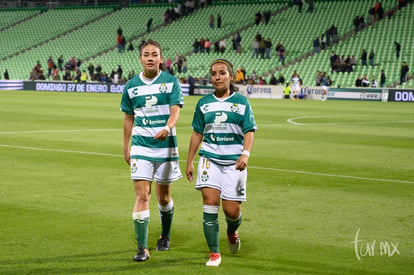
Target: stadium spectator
{"type": "Point", "coordinates": [149, 163]}
{"type": "Point", "coordinates": [119, 31]}
{"type": "Point", "coordinates": [268, 47]}
{"type": "Point", "coordinates": [316, 45]}
{"type": "Point", "coordinates": [364, 57]}
{"type": "Point", "coordinates": [273, 80]}
{"type": "Point", "coordinates": [222, 45]}
{"type": "Point", "coordinates": [323, 41]}
{"type": "Point", "coordinates": [365, 81]}
{"type": "Point", "coordinates": [266, 16]}
{"type": "Point", "coordinates": [352, 61]}
{"type": "Point", "coordinates": [84, 77]}
{"type": "Point", "coordinates": [55, 73]}
{"type": "Point", "coordinates": [318, 78]}
{"type": "Point", "coordinates": [196, 46]}
{"type": "Point", "coordinates": [310, 7]}
{"type": "Point", "coordinates": [50, 64]}
{"type": "Point", "coordinates": [358, 81]}
{"type": "Point", "coordinates": [60, 63]}
{"type": "Point", "coordinates": [287, 90]}
{"type": "Point", "coordinates": [300, 5]}
{"type": "Point", "coordinates": [404, 71]}
{"type": "Point", "coordinates": [130, 47]}
{"type": "Point", "coordinates": [255, 47]}
{"type": "Point", "coordinates": [211, 21]}
{"type": "Point", "coordinates": [257, 18]}
{"type": "Point", "coordinates": [218, 21]}
{"type": "Point", "coordinates": [262, 48]}
{"type": "Point", "coordinates": [149, 23]}
{"type": "Point", "coordinates": [237, 43]}
{"type": "Point", "coordinates": [281, 79]}
{"type": "Point", "coordinates": [6, 75]}
{"type": "Point", "coordinates": [239, 76]}
{"type": "Point", "coordinates": [356, 23]}
{"type": "Point", "coordinates": [371, 58]}
{"type": "Point", "coordinates": [374, 83]}
{"type": "Point", "coordinates": [262, 81]}
{"type": "Point", "coordinates": [216, 46]}
{"type": "Point", "coordinates": [282, 54]}
{"type": "Point", "coordinates": [119, 43]}
{"type": "Point", "coordinates": [382, 78]}
{"type": "Point", "coordinates": [202, 45]}
{"type": "Point", "coordinates": [397, 49]}
{"type": "Point", "coordinates": [207, 45]}
{"type": "Point", "coordinates": [91, 70]}
{"type": "Point", "coordinates": [222, 168]}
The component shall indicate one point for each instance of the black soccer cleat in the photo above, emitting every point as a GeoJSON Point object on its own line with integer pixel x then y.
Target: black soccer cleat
{"type": "Point", "coordinates": [163, 244]}
{"type": "Point", "coordinates": [142, 255]}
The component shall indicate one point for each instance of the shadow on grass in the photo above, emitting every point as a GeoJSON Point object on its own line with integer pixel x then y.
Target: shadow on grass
{"type": "Point", "coordinates": [104, 262]}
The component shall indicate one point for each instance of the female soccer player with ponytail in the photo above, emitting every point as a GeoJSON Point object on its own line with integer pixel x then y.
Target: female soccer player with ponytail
{"type": "Point", "coordinates": [224, 125]}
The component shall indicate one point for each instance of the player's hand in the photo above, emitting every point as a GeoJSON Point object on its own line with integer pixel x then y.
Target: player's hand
{"type": "Point", "coordinates": [161, 135]}
{"type": "Point", "coordinates": [189, 171]}
{"type": "Point", "coordinates": [241, 163]}
{"type": "Point", "coordinates": [127, 157]}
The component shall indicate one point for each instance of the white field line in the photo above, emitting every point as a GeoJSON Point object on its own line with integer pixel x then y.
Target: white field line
{"type": "Point", "coordinates": [250, 167]}
{"type": "Point", "coordinates": [293, 122]}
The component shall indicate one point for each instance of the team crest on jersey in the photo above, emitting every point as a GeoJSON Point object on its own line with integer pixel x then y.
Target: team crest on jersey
{"type": "Point", "coordinates": [163, 88]}
{"type": "Point", "coordinates": [234, 108]}
{"type": "Point", "coordinates": [220, 117]}
{"type": "Point", "coordinates": [134, 168]}
{"type": "Point", "coordinates": [204, 176]}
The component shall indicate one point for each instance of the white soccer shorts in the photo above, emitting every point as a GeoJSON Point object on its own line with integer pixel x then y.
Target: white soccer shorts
{"type": "Point", "coordinates": [161, 172]}
{"type": "Point", "coordinates": [230, 182]}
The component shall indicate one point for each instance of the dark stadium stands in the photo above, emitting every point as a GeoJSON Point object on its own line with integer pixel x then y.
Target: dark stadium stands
{"type": "Point", "coordinates": [89, 34]}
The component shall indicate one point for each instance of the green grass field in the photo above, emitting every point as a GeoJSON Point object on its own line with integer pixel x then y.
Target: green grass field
{"type": "Point", "coordinates": [330, 185]}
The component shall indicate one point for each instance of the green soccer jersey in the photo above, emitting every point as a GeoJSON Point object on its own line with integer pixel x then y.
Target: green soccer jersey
{"type": "Point", "coordinates": [149, 101]}
{"type": "Point", "coordinates": [223, 123]}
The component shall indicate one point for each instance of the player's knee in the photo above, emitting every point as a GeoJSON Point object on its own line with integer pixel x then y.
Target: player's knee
{"type": "Point", "coordinates": [143, 198]}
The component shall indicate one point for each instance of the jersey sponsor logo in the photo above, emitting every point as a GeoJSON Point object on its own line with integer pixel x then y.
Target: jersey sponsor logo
{"type": "Point", "coordinates": [218, 139]}
{"type": "Point", "coordinates": [134, 91]}
{"type": "Point", "coordinates": [150, 101]}
{"type": "Point", "coordinates": [146, 121]}
{"type": "Point", "coordinates": [205, 108]}
{"type": "Point", "coordinates": [220, 118]}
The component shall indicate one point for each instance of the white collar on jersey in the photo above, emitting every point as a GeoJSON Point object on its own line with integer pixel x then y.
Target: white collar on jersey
{"type": "Point", "coordinates": [223, 99]}
{"type": "Point", "coordinates": [148, 81]}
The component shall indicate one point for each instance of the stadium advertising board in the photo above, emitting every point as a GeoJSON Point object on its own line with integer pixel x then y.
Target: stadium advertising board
{"type": "Point", "coordinates": [401, 95]}
{"type": "Point", "coordinates": [313, 92]}
{"type": "Point", "coordinates": [54, 86]}
{"type": "Point", "coordinates": [368, 94]}
{"type": "Point", "coordinates": [261, 91]}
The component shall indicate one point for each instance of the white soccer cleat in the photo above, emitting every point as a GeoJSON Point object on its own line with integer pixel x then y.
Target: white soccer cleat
{"type": "Point", "coordinates": [215, 259]}
{"type": "Point", "coordinates": [234, 242]}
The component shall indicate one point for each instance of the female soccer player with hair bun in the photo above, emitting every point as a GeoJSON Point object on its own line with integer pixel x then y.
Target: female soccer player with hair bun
{"type": "Point", "coordinates": [224, 125]}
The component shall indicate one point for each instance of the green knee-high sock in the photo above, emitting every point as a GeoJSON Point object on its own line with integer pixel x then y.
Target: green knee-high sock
{"type": "Point", "coordinates": [232, 225]}
{"type": "Point", "coordinates": [211, 231]}
{"type": "Point", "coordinates": [166, 215]}
{"type": "Point", "coordinates": [141, 221]}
